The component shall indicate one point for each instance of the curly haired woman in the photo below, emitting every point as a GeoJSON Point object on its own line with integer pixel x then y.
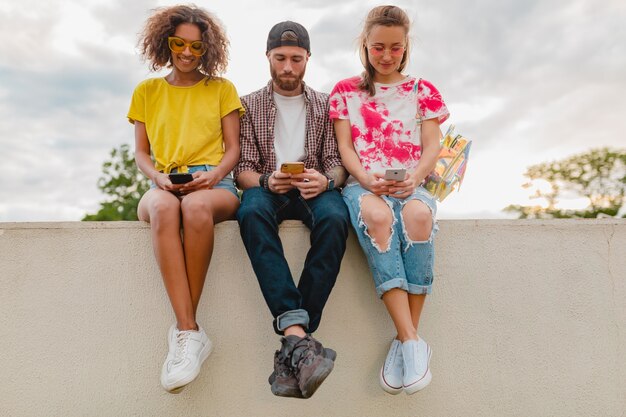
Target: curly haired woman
{"type": "Point", "coordinates": [187, 143]}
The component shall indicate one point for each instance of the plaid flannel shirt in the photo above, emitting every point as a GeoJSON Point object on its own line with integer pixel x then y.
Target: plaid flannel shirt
{"type": "Point", "coordinates": [257, 133]}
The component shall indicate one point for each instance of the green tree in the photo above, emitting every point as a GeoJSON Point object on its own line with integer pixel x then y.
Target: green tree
{"type": "Point", "coordinates": [599, 175]}
{"type": "Point", "coordinates": [124, 185]}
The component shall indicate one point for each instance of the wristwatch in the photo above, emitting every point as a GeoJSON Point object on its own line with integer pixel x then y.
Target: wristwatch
{"type": "Point", "coordinates": [331, 182]}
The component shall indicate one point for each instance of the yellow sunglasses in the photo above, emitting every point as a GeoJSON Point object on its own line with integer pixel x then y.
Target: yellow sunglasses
{"type": "Point", "coordinates": [179, 45]}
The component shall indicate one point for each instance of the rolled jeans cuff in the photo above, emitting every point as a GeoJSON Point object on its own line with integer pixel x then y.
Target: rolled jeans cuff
{"type": "Point", "coordinates": [291, 318]}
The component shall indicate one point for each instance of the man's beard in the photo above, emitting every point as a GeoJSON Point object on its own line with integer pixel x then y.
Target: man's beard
{"type": "Point", "coordinates": [287, 85]}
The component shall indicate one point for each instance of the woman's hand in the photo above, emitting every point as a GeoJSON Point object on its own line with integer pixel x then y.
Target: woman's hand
{"type": "Point", "coordinates": [377, 184]}
{"type": "Point", "coordinates": [162, 181]}
{"type": "Point", "coordinates": [202, 180]}
{"type": "Point", "coordinates": [403, 189]}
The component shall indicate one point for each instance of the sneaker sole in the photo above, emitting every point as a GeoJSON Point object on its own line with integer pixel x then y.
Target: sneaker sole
{"type": "Point", "coordinates": [317, 378]}
{"type": "Point", "coordinates": [386, 387]}
{"type": "Point", "coordinates": [328, 353]}
{"type": "Point", "coordinates": [177, 390]}
{"type": "Point", "coordinates": [421, 383]}
{"type": "Point", "coordinates": [177, 387]}
{"type": "Point", "coordinates": [170, 333]}
{"type": "Point", "coordinates": [282, 391]}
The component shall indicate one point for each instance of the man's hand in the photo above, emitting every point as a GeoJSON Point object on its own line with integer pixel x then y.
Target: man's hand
{"type": "Point", "coordinates": [310, 183]}
{"type": "Point", "coordinates": [280, 182]}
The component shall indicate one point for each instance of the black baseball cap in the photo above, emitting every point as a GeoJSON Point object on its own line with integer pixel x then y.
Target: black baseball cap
{"type": "Point", "coordinates": [274, 41]}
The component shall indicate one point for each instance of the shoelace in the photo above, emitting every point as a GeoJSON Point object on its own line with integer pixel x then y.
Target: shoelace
{"type": "Point", "coordinates": [181, 346]}
{"type": "Point", "coordinates": [391, 357]}
{"type": "Point", "coordinates": [303, 352]}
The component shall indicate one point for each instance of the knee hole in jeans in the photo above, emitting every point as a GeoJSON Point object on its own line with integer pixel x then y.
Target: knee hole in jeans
{"type": "Point", "coordinates": [377, 223]}
{"type": "Point", "coordinates": [417, 221]}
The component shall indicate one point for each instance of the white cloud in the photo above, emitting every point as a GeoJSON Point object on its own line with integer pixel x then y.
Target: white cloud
{"type": "Point", "coordinates": [527, 81]}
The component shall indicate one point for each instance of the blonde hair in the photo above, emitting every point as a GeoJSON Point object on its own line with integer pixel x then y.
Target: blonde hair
{"type": "Point", "coordinates": [383, 16]}
{"type": "Point", "coordinates": [163, 23]}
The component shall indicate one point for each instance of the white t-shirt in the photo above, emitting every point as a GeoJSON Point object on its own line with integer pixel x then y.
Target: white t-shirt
{"type": "Point", "coordinates": [289, 131]}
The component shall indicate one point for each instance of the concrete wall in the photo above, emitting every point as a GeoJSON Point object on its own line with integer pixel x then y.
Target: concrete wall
{"type": "Point", "coordinates": [528, 318]}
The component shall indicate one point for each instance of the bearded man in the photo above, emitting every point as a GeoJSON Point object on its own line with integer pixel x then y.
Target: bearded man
{"type": "Point", "coordinates": [287, 122]}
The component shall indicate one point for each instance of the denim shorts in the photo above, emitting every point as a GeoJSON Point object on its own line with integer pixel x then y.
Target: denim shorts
{"type": "Point", "coordinates": [227, 183]}
{"type": "Point", "coordinates": [405, 264]}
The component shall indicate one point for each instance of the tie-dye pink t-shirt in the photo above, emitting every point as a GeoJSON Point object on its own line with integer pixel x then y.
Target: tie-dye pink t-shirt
{"type": "Point", "coordinates": [386, 127]}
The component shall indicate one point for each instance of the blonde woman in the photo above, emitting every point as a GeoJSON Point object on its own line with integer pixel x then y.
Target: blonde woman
{"type": "Point", "coordinates": [388, 121]}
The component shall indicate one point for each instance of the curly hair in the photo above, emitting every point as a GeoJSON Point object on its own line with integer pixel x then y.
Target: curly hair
{"type": "Point", "coordinates": [163, 23]}
{"type": "Point", "coordinates": [384, 16]}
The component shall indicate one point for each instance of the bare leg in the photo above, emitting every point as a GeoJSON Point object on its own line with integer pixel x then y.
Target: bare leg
{"type": "Point", "coordinates": [378, 217]}
{"type": "Point", "coordinates": [296, 330]}
{"type": "Point", "coordinates": [418, 223]}
{"type": "Point", "coordinates": [416, 304]}
{"type": "Point", "coordinates": [397, 303]}
{"type": "Point", "coordinates": [162, 210]}
{"type": "Point", "coordinates": [201, 210]}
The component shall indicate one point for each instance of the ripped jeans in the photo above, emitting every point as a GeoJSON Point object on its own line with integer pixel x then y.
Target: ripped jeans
{"type": "Point", "coordinates": [405, 264]}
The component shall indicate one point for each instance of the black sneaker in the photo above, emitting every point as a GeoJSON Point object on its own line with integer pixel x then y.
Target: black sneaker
{"type": "Point", "coordinates": [310, 365]}
{"type": "Point", "coordinates": [283, 380]}
{"type": "Point", "coordinates": [327, 352]}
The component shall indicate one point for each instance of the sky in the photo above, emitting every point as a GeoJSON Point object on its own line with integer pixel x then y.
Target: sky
{"type": "Point", "coordinates": [527, 81]}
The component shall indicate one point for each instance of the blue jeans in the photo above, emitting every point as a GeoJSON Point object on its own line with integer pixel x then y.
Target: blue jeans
{"type": "Point", "coordinates": [405, 264]}
{"type": "Point", "coordinates": [259, 215]}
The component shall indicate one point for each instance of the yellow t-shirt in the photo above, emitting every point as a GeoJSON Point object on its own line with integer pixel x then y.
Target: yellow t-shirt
{"type": "Point", "coordinates": [184, 123]}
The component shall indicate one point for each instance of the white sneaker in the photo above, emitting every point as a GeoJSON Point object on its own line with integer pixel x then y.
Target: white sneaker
{"type": "Point", "coordinates": [392, 370]}
{"type": "Point", "coordinates": [191, 350]}
{"type": "Point", "coordinates": [171, 352]}
{"type": "Point", "coordinates": [416, 355]}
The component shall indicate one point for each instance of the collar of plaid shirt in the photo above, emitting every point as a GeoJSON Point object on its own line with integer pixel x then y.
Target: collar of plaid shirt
{"type": "Point", "coordinates": [257, 145]}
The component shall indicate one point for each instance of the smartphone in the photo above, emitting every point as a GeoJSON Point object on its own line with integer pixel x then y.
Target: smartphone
{"type": "Point", "coordinates": [292, 167]}
{"type": "Point", "coordinates": [395, 174]}
{"type": "Point", "coordinates": [181, 177]}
